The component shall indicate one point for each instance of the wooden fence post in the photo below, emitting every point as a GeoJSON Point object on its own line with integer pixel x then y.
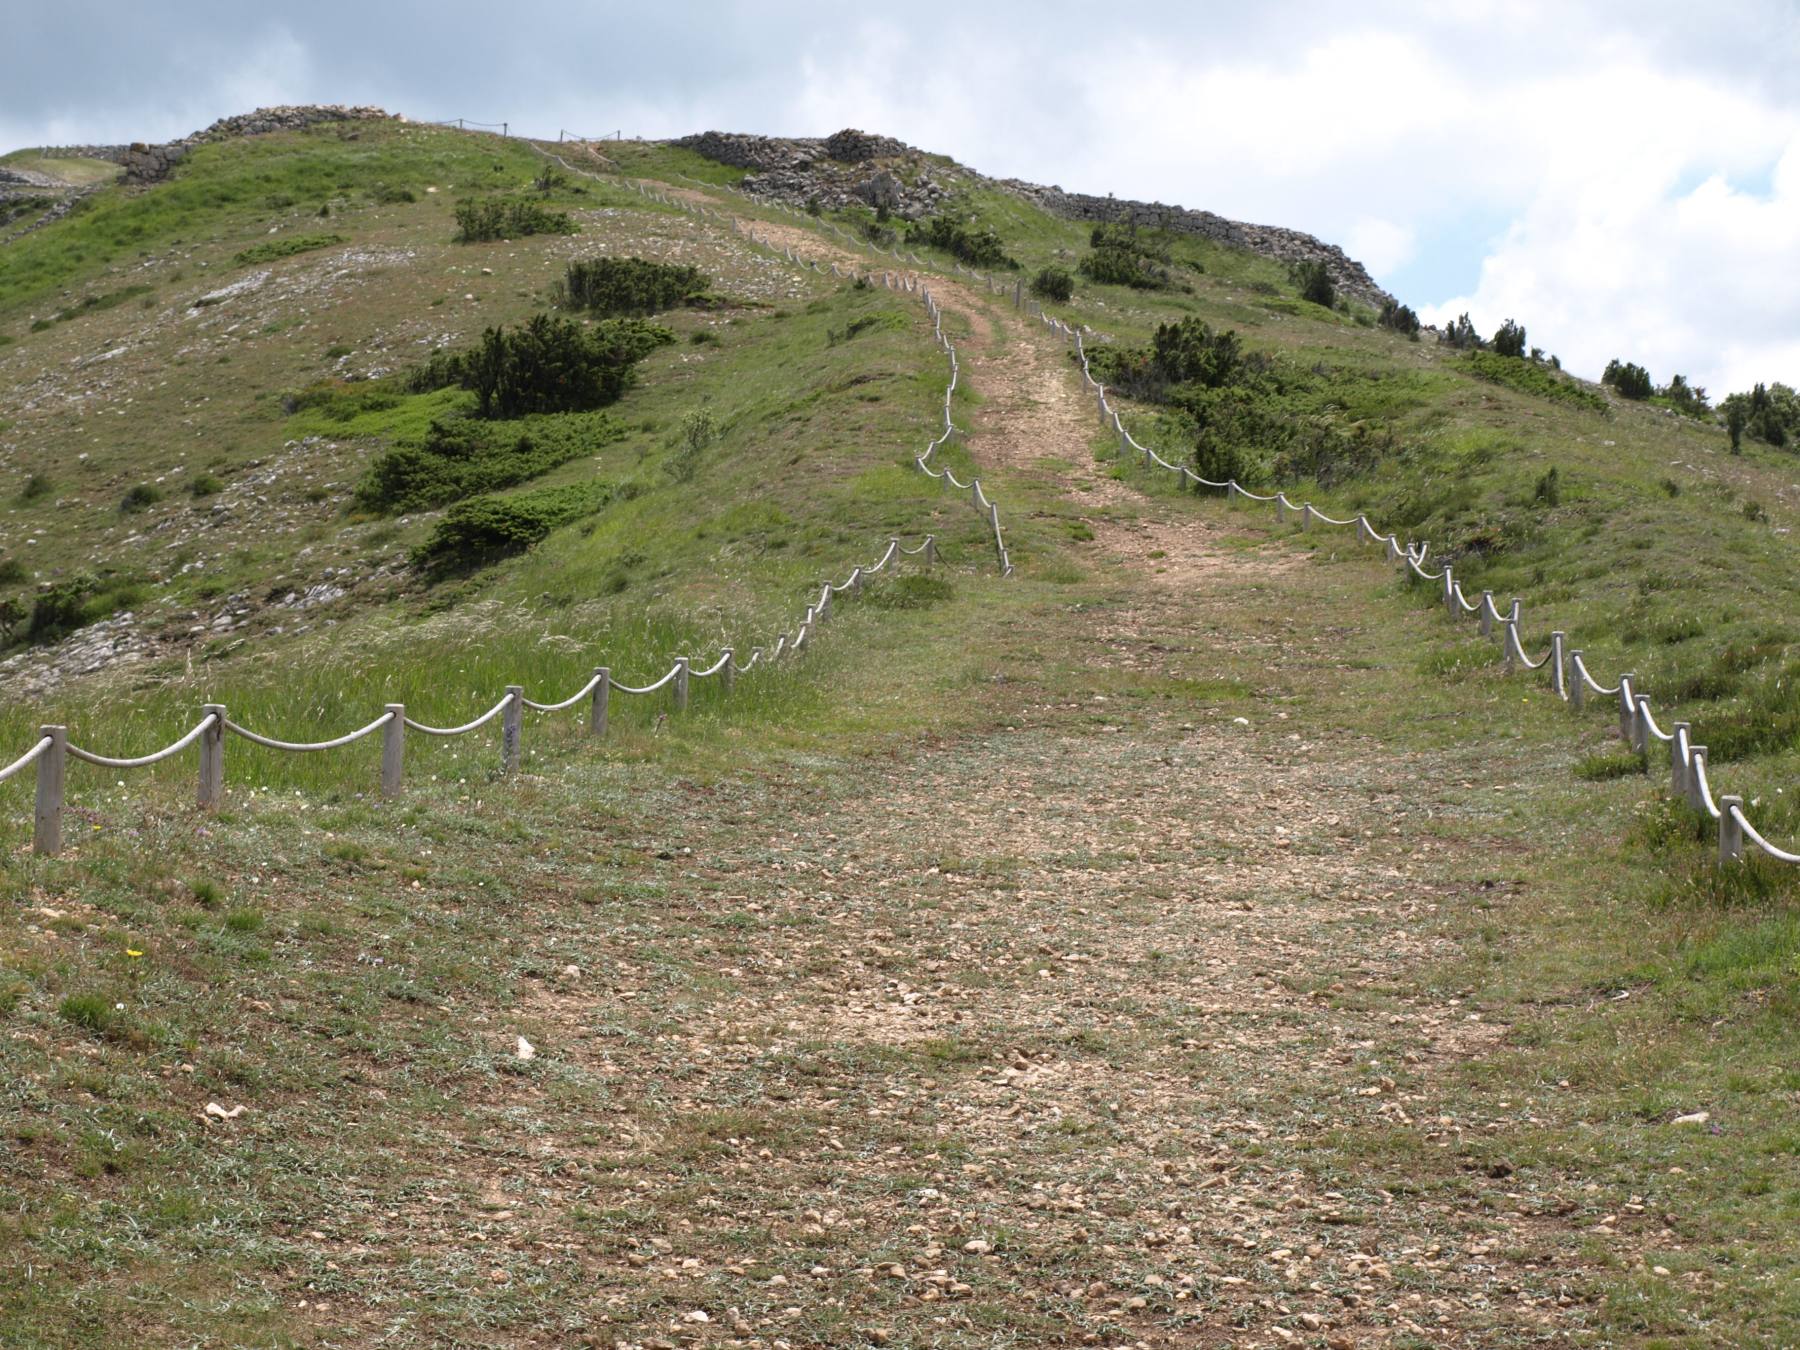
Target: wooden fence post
{"type": "Point", "coordinates": [1559, 671]}
{"type": "Point", "coordinates": [211, 793]}
{"type": "Point", "coordinates": [1678, 769]}
{"type": "Point", "coordinates": [728, 671]}
{"type": "Point", "coordinates": [1627, 709]}
{"type": "Point", "coordinates": [512, 728]}
{"type": "Point", "coordinates": [681, 684]}
{"type": "Point", "coordinates": [393, 751]}
{"type": "Point", "coordinates": [602, 698]}
{"type": "Point", "coordinates": [930, 555]}
{"type": "Point", "coordinates": [52, 766]}
{"type": "Point", "coordinates": [1640, 724]}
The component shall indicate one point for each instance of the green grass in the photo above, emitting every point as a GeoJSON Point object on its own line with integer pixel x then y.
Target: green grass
{"type": "Point", "coordinates": [810, 916]}
{"type": "Point", "coordinates": [276, 249]}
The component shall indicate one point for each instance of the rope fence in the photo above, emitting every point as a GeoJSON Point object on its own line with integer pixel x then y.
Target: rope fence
{"type": "Point", "coordinates": [54, 750]}
{"type": "Point", "coordinates": [1569, 676]}
{"type": "Point", "coordinates": [888, 279]}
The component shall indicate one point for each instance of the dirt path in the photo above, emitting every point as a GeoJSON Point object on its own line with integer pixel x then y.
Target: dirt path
{"type": "Point", "coordinates": [1102, 1030]}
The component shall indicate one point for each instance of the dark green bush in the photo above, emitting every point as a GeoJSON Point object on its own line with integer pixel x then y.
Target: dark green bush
{"type": "Point", "coordinates": [1548, 491]}
{"type": "Point", "coordinates": [461, 457]}
{"type": "Point", "coordinates": [1123, 255]}
{"type": "Point", "coordinates": [206, 485]}
{"type": "Point", "coordinates": [36, 488]}
{"type": "Point", "coordinates": [545, 365]}
{"type": "Point", "coordinates": [1314, 280]}
{"type": "Point", "coordinates": [74, 602]}
{"type": "Point", "coordinates": [12, 571]}
{"type": "Point", "coordinates": [487, 529]}
{"type": "Point", "coordinates": [629, 286]}
{"type": "Point", "coordinates": [1510, 339]}
{"type": "Point", "coordinates": [386, 194]}
{"type": "Point", "coordinates": [977, 247]}
{"type": "Point", "coordinates": [1462, 335]}
{"type": "Point", "coordinates": [1630, 379]}
{"type": "Point", "coordinates": [275, 249]}
{"type": "Point", "coordinates": [1686, 398]}
{"type": "Point", "coordinates": [1770, 413]}
{"type": "Point", "coordinates": [140, 498]}
{"type": "Point", "coordinates": [487, 218]}
{"type": "Point", "coordinates": [1054, 283]}
{"type": "Point", "coordinates": [1400, 318]}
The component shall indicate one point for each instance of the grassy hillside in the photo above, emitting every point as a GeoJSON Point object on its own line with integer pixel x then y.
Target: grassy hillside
{"type": "Point", "coordinates": [1628, 526]}
{"type": "Point", "coordinates": [1189, 939]}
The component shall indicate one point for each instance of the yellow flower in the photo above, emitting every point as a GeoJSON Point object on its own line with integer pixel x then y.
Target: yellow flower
{"type": "Point", "coordinates": [133, 952]}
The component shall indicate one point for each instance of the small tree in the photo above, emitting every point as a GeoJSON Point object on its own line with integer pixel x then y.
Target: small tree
{"type": "Point", "coordinates": [1400, 318]}
{"type": "Point", "coordinates": [12, 614]}
{"type": "Point", "coordinates": [1462, 335]}
{"type": "Point", "coordinates": [1628, 378]}
{"type": "Point", "coordinates": [1734, 425]}
{"type": "Point", "coordinates": [1053, 283]}
{"type": "Point", "coordinates": [1510, 339]}
{"type": "Point", "coordinates": [698, 431]}
{"type": "Point", "coordinates": [1315, 283]}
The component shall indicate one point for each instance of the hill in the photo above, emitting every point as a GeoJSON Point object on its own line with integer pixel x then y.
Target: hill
{"type": "Point", "coordinates": [1191, 935]}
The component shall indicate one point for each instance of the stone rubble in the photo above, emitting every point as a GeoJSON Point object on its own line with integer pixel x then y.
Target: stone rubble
{"type": "Point", "coordinates": [850, 167]}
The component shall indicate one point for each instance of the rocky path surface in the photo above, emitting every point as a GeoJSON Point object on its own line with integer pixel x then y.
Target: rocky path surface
{"type": "Point", "coordinates": [1105, 1028]}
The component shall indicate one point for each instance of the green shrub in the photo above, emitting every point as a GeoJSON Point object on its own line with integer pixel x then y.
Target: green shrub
{"type": "Point", "coordinates": [1770, 413]}
{"type": "Point", "coordinates": [976, 247]}
{"type": "Point", "coordinates": [1400, 318]}
{"type": "Point", "coordinates": [90, 304]}
{"type": "Point", "coordinates": [1462, 335]}
{"type": "Point", "coordinates": [1314, 280]}
{"type": "Point", "coordinates": [206, 485]}
{"type": "Point", "coordinates": [140, 498]}
{"type": "Point", "coordinates": [276, 249]}
{"type": "Point", "coordinates": [462, 457]}
{"type": "Point", "coordinates": [36, 488]}
{"type": "Point", "coordinates": [90, 1012]}
{"type": "Point", "coordinates": [384, 194]}
{"type": "Point", "coordinates": [486, 529]}
{"type": "Point", "coordinates": [1054, 283]}
{"type": "Point", "coordinates": [547, 364]}
{"type": "Point", "coordinates": [629, 286]}
{"type": "Point", "coordinates": [1123, 255]}
{"type": "Point", "coordinates": [1510, 340]}
{"type": "Point", "coordinates": [244, 921]}
{"type": "Point", "coordinates": [1548, 491]}
{"type": "Point", "coordinates": [1630, 379]}
{"type": "Point", "coordinates": [1530, 377]}
{"type": "Point", "coordinates": [12, 571]}
{"type": "Point", "coordinates": [698, 432]}
{"type": "Point", "coordinates": [488, 218]}
{"type": "Point", "coordinates": [1686, 398]}
{"type": "Point", "coordinates": [74, 602]}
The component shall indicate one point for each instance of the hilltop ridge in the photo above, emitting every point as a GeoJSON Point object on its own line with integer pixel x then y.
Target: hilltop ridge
{"type": "Point", "coordinates": [879, 171]}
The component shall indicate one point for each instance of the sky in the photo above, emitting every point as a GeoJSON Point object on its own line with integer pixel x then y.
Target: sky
{"type": "Point", "coordinates": [1621, 178]}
